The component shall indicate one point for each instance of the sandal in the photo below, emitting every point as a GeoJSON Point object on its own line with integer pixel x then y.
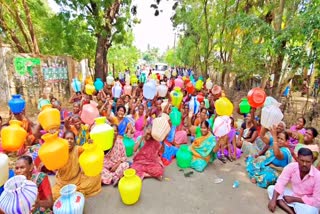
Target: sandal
{"type": "Point", "coordinates": [188, 174]}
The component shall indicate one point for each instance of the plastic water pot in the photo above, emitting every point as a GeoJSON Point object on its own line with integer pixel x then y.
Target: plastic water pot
{"type": "Point", "coordinates": [176, 97]}
{"type": "Point", "coordinates": [17, 104]}
{"type": "Point", "coordinates": [130, 187]}
{"type": "Point", "coordinates": [244, 106]}
{"type": "Point", "coordinates": [149, 90]}
{"type": "Point", "coordinates": [89, 113]}
{"type": "Point", "coordinates": [271, 115]}
{"type": "Point", "coordinates": [116, 90]}
{"type": "Point", "coordinates": [98, 84]}
{"type": "Point", "coordinates": [91, 160]}
{"type": "Point", "coordinates": [256, 97]}
{"type": "Point", "coordinates": [102, 134]}
{"type": "Point", "coordinates": [184, 157]}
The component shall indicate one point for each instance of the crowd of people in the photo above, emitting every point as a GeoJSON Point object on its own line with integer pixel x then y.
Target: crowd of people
{"type": "Point", "coordinates": [274, 156]}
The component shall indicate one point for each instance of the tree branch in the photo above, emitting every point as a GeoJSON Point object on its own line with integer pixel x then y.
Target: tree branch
{"type": "Point", "coordinates": [90, 10]}
{"type": "Point", "coordinates": [13, 36]}
{"type": "Point", "coordinates": [21, 25]}
{"type": "Point", "coordinates": [30, 26]}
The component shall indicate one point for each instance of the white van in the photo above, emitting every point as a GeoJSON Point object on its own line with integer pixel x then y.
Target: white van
{"type": "Point", "coordinates": [160, 68]}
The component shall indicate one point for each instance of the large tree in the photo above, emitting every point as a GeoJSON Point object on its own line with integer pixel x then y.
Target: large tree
{"type": "Point", "coordinates": [107, 19]}
{"type": "Point", "coordinates": [17, 24]}
{"type": "Point", "coordinates": [249, 37]}
{"type": "Point", "coordinates": [30, 26]}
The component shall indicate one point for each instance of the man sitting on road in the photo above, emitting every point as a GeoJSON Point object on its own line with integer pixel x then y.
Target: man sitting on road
{"type": "Point", "coordinates": [305, 182]}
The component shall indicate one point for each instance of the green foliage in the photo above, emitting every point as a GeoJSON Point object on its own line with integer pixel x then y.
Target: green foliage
{"type": "Point", "coordinates": [124, 56]}
{"type": "Point", "coordinates": [171, 58]}
{"type": "Point", "coordinates": [97, 15]}
{"type": "Point", "coordinates": [152, 55]}
{"type": "Point", "coordinates": [242, 36]}
{"type": "Point", "coordinates": [67, 37]}
{"type": "Point", "coordinates": [56, 34]}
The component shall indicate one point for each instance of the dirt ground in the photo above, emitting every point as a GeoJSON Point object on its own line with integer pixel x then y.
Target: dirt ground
{"type": "Point", "coordinates": [195, 194]}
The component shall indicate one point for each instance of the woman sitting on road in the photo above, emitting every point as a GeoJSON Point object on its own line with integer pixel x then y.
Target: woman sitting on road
{"type": "Point", "coordinates": [115, 161]}
{"type": "Point", "coordinates": [147, 161]}
{"type": "Point", "coordinates": [264, 170]}
{"type": "Point", "coordinates": [294, 132]}
{"type": "Point", "coordinates": [203, 148]}
{"type": "Point", "coordinates": [24, 166]}
{"type": "Point", "coordinates": [308, 141]}
{"type": "Point", "coordinates": [71, 173]}
{"type": "Point", "coordinates": [247, 136]}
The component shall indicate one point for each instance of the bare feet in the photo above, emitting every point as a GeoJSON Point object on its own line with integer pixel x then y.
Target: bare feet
{"type": "Point", "coordinates": [229, 158]}
{"type": "Point", "coordinates": [160, 178]}
{"type": "Point", "coordinates": [253, 180]}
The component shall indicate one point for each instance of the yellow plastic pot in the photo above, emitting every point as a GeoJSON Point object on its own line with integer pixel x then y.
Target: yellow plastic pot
{"type": "Point", "coordinates": [130, 187]}
{"type": "Point", "coordinates": [224, 107]}
{"type": "Point", "coordinates": [90, 89]}
{"type": "Point", "coordinates": [91, 160]}
{"type": "Point", "coordinates": [102, 134]}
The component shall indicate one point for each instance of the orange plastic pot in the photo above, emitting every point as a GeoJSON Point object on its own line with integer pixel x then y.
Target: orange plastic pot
{"type": "Point", "coordinates": [13, 136]}
{"type": "Point", "coordinates": [49, 118]}
{"type": "Point", "coordinates": [54, 153]}
{"type": "Point", "coordinates": [190, 88]}
{"type": "Point", "coordinates": [256, 97]}
{"type": "Point", "coordinates": [88, 80]}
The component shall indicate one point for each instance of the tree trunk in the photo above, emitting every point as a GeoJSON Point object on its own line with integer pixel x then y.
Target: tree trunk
{"type": "Point", "coordinates": [277, 72]}
{"type": "Point", "coordinates": [113, 70]}
{"type": "Point", "coordinates": [104, 40]}
{"type": "Point", "coordinates": [222, 53]}
{"type": "Point", "coordinates": [223, 75]}
{"type": "Point", "coordinates": [206, 57]}
{"type": "Point", "coordinates": [279, 59]}
{"type": "Point", "coordinates": [30, 26]}
{"type": "Point", "coordinates": [101, 55]}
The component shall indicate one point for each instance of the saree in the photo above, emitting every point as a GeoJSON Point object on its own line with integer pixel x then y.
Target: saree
{"type": "Point", "coordinates": [181, 137]}
{"type": "Point", "coordinates": [249, 148]}
{"type": "Point", "coordinates": [169, 152]}
{"type": "Point", "coordinates": [71, 174]}
{"type": "Point", "coordinates": [30, 137]}
{"type": "Point", "coordinates": [260, 170]}
{"type": "Point", "coordinates": [139, 127]}
{"type": "Point", "coordinates": [202, 152]}
{"type": "Point", "coordinates": [122, 126]}
{"type": "Point", "coordinates": [147, 161]}
{"type": "Point", "coordinates": [113, 157]}
{"type": "Point", "coordinates": [44, 190]}
{"type": "Point", "coordinates": [292, 141]}
{"type": "Point", "coordinates": [82, 135]}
